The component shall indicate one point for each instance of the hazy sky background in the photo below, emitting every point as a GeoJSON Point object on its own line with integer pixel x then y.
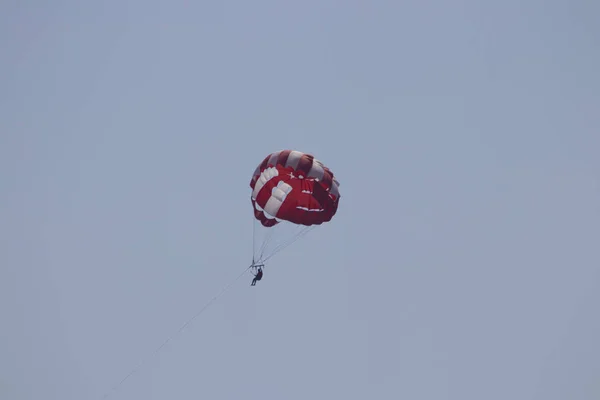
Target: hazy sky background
{"type": "Point", "coordinates": [463, 263]}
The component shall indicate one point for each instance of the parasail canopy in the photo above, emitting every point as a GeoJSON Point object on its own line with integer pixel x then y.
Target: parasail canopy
{"type": "Point", "coordinates": [293, 186]}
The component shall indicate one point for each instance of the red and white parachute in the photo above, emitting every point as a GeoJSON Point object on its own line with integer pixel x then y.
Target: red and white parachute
{"type": "Point", "coordinates": [292, 189]}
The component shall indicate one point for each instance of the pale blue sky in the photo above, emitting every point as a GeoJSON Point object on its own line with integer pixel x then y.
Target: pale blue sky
{"type": "Point", "coordinates": [463, 263]}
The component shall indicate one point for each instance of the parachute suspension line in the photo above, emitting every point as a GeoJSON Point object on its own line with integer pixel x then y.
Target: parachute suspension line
{"type": "Point", "coordinates": [266, 242]}
{"type": "Point", "coordinates": [258, 254]}
{"type": "Point", "coordinates": [253, 240]}
{"type": "Point", "coordinates": [283, 245]}
{"type": "Point", "coordinates": [302, 233]}
{"type": "Point", "coordinates": [189, 321]}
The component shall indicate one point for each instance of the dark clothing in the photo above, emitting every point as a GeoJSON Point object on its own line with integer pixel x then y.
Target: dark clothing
{"type": "Point", "coordinates": [257, 277]}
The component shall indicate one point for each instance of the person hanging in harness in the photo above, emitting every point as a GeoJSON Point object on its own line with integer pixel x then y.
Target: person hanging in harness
{"type": "Point", "coordinates": [257, 276]}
